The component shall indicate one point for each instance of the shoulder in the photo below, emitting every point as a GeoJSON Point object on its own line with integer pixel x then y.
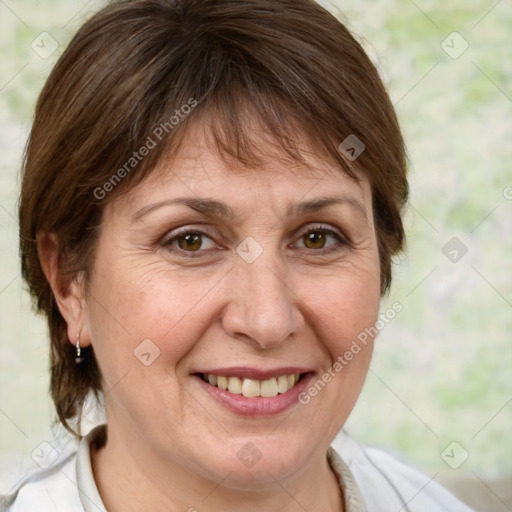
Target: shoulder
{"type": "Point", "coordinates": [67, 485]}
{"type": "Point", "coordinates": [387, 483]}
{"type": "Point", "coordinates": [47, 490]}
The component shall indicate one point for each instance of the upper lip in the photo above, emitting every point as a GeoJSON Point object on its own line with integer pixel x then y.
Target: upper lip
{"type": "Point", "coordinates": [245, 372]}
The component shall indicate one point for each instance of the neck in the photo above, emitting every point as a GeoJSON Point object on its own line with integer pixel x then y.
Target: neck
{"type": "Point", "coordinates": [130, 480]}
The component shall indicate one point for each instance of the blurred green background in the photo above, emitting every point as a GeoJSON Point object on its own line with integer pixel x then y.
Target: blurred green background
{"type": "Point", "coordinates": [442, 369]}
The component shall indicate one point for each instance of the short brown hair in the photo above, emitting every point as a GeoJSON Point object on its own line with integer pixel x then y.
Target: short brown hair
{"type": "Point", "coordinates": [135, 65]}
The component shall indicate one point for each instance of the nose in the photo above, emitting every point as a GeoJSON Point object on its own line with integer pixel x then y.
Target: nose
{"type": "Point", "coordinates": [263, 309]}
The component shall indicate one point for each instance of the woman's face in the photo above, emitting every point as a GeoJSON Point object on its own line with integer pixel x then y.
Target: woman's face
{"type": "Point", "coordinates": [207, 268]}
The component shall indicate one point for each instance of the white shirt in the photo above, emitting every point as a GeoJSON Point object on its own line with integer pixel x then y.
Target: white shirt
{"type": "Point", "coordinates": [371, 481]}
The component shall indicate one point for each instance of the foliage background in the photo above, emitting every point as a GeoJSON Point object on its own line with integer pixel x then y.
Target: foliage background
{"type": "Point", "coordinates": [442, 370]}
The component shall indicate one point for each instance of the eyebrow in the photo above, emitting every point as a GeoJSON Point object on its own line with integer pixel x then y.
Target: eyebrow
{"type": "Point", "coordinates": [214, 208]}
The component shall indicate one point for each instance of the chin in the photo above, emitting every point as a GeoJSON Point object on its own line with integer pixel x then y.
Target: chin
{"type": "Point", "coordinates": [256, 461]}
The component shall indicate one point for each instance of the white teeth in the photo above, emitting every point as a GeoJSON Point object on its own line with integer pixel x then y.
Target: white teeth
{"type": "Point", "coordinates": [222, 382]}
{"type": "Point", "coordinates": [235, 385]}
{"type": "Point", "coordinates": [282, 384]}
{"type": "Point", "coordinates": [269, 388]}
{"type": "Point", "coordinates": [253, 388]}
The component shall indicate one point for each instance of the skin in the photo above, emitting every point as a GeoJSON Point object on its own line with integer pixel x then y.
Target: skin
{"type": "Point", "coordinates": [170, 445]}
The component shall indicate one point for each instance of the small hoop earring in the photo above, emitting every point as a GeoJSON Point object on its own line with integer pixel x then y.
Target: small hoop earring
{"type": "Point", "coordinates": [78, 358]}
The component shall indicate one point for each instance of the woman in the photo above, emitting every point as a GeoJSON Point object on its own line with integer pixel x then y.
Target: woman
{"type": "Point", "coordinates": [211, 198]}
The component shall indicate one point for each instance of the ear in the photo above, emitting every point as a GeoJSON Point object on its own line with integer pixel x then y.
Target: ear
{"type": "Point", "coordinates": [67, 290]}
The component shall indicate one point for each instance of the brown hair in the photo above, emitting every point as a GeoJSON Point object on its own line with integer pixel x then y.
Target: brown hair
{"type": "Point", "coordinates": [134, 67]}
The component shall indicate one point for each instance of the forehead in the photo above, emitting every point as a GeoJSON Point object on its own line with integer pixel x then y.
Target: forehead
{"type": "Point", "coordinates": [199, 169]}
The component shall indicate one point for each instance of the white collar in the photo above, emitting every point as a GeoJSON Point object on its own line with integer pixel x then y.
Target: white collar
{"type": "Point", "coordinates": [88, 491]}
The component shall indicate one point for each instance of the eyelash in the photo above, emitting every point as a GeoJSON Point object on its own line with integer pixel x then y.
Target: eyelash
{"type": "Point", "coordinates": [167, 242]}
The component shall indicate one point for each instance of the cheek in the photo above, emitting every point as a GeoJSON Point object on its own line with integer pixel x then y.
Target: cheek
{"type": "Point", "coordinates": [135, 312]}
{"type": "Point", "coordinates": [346, 307]}
{"type": "Point", "coordinates": [142, 325]}
{"type": "Point", "coordinates": [343, 311]}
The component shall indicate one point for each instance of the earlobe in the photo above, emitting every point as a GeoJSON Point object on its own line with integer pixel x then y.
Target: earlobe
{"type": "Point", "coordinates": [68, 290]}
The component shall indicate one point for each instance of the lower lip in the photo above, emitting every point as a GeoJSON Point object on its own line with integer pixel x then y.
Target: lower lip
{"type": "Point", "coordinates": [257, 406]}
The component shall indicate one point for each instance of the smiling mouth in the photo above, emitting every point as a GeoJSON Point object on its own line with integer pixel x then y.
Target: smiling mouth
{"type": "Point", "coordinates": [253, 388]}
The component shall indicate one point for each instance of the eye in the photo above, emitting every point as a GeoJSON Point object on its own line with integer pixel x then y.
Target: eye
{"type": "Point", "coordinates": [189, 241]}
{"type": "Point", "coordinates": [317, 238]}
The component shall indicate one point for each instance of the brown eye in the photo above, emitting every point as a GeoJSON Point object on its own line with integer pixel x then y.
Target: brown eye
{"type": "Point", "coordinates": [314, 240]}
{"type": "Point", "coordinates": [190, 242]}
{"type": "Point", "coordinates": [318, 238]}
